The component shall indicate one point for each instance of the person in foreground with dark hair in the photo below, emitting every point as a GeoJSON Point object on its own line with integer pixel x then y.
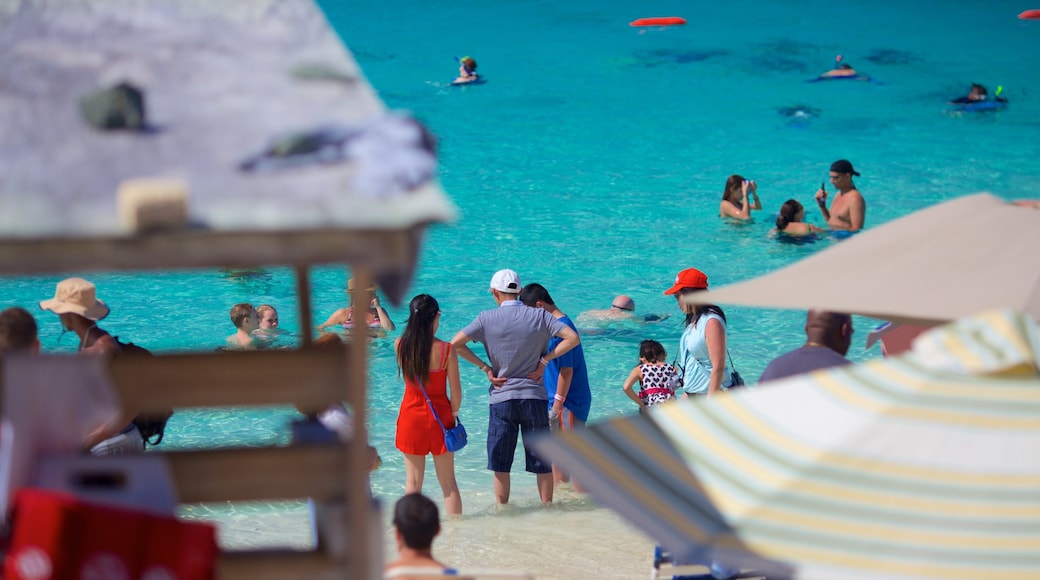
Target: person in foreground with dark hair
{"type": "Point", "coordinates": [828, 336]}
{"type": "Point", "coordinates": [416, 522]}
{"type": "Point", "coordinates": [18, 331]}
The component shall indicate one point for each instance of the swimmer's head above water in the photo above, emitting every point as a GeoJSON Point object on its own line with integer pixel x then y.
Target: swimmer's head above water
{"type": "Point", "coordinates": [468, 66]}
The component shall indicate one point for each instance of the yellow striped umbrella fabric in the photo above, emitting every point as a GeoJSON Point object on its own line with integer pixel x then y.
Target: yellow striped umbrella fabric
{"type": "Point", "coordinates": [925, 465]}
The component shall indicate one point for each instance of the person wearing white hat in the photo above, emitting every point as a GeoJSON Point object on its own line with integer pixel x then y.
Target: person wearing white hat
{"type": "Point", "coordinates": [515, 338]}
{"type": "Point", "coordinates": [76, 304]}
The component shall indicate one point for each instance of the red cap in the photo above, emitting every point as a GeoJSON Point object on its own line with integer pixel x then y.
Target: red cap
{"type": "Point", "coordinates": [689, 278]}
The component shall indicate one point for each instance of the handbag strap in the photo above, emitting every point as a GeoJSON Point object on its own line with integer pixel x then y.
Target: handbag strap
{"type": "Point", "coordinates": [731, 365]}
{"type": "Point", "coordinates": [430, 403]}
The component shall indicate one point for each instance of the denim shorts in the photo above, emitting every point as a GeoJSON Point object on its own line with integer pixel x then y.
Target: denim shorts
{"type": "Point", "coordinates": [505, 420]}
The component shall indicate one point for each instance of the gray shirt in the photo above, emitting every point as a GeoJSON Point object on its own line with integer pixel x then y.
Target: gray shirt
{"type": "Point", "coordinates": [802, 360]}
{"type": "Point", "coordinates": [515, 337]}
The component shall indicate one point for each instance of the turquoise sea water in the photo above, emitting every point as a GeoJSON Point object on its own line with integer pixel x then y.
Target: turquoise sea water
{"type": "Point", "coordinates": [593, 160]}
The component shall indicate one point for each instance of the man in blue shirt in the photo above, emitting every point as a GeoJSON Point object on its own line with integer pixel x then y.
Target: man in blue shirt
{"type": "Point", "coordinates": [566, 378]}
{"type": "Point", "coordinates": [515, 338]}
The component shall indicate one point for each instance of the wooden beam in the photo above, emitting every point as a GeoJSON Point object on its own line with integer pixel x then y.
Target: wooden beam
{"type": "Point", "coordinates": [307, 378]}
{"type": "Point", "coordinates": [247, 474]}
{"type": "Point", "coordinates": [381, 250]}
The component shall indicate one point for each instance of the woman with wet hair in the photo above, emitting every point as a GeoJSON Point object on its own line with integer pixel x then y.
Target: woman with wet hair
{"type": "Point", "coordinates": [735, 203]}
{"type": "Point", "coordinates": [430, 364]}
{"type": "Point", "coordinates": [790, 220]}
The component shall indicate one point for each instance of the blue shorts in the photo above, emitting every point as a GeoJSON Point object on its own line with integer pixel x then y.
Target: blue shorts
{"type": "Point", "coordinates": [505, 420]}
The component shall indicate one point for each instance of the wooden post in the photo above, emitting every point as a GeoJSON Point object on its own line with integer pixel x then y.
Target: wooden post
{"type": "Point", "coordinates": [303, 292]}
{"type": "Point", "coordinates": [358, 493]}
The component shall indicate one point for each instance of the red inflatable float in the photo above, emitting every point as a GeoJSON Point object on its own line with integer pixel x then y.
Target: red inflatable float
{"type": "Point", "coordinates": [658, 21]}
{"type": "Point", "coordinates": [1030, 15]}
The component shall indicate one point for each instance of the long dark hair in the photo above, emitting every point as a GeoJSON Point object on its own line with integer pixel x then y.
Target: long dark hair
{"type": "Point", "coordinates": [788, 213]}
{"type": "Point", "coordinates": [734, 189]}
{"type": "Point", "coordinates": [413, 350]}
{"type": "Point", "coordinates": [700, 309]}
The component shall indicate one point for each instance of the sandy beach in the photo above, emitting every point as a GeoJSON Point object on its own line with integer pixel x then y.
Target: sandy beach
{"type": "Point", "coordinates": [575, 538]}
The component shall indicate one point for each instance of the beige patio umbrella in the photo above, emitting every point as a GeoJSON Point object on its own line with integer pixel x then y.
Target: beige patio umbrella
{"type": "Point", "coordinates": [925, 465]}
{"type": "Point", "coordinates": [935, 265]}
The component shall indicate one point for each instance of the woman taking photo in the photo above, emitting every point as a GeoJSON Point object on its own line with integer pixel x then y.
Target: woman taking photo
{"type": "Point", "coordinates": [735, 203]}
{"type": "Point", "coordinates": [702, 346]}
{"type": "Point", "coordinates": [427, 362]}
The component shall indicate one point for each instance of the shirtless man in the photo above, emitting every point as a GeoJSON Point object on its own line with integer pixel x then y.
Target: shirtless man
{"type": "Point", "coordinates": [848, 210]}
{"type": "Point", "coordinates": [246, 320]}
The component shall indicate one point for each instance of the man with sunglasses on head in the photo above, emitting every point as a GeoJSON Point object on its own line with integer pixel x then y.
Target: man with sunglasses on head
{"type": "Point", "coordinates": [848, 210]}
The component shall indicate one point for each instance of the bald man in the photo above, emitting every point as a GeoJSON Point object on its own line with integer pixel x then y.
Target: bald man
{"type": "Point", "coordinates": [828, 336]}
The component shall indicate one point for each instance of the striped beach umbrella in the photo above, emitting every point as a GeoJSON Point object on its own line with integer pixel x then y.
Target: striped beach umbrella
{"type": "Point", "coordinates": [925, 465]}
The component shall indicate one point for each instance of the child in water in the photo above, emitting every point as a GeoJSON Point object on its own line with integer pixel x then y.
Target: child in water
{"type": "Point", "coordinates": [658, 379]}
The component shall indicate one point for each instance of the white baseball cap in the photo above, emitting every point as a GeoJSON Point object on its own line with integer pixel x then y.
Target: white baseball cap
{"type": "Point", "coordinates": [506, 281]}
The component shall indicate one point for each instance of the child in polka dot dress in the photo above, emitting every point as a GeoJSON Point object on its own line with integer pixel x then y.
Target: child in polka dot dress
{"type": "Point", "coordinates": [657, 379]}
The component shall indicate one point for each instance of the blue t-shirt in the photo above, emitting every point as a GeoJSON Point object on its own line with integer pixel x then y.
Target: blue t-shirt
{"type": "Point", "coordinates": [514, 337]}
{"type": "Point", "coordinates": [579, 397]}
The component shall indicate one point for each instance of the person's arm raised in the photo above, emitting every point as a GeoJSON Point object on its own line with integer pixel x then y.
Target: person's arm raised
{"type": "Point", "coordinates": [384, 317]}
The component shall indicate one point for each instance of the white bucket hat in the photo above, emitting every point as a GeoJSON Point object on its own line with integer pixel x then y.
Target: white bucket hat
{"type": "Point", "coordinates": [76, 296]}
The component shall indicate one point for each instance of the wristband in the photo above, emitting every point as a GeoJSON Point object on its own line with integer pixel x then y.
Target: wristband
{"type": "Point", "coordinates": [543, 361]}
{"type": "Point", "coordinates": [559, 398]}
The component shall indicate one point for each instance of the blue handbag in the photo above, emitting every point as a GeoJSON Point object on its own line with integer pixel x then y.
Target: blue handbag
{"type": "Point", "coordinates": [454, 438]}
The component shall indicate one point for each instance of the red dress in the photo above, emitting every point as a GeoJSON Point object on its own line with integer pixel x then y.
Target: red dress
{"type": "Point", "coordinates": [418, 433]}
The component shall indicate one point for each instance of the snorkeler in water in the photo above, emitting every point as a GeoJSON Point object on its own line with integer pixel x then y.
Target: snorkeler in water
{"type": "Point", "coordinates": [467, 71]}
{"type": "Point", "coordinates": [976, 94]}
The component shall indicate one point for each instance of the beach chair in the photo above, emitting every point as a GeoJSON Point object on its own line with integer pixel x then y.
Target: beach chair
{"type": "Point", "coordinates": [663, 564]}
{"type": "Point", "coordinates": [409, 572]}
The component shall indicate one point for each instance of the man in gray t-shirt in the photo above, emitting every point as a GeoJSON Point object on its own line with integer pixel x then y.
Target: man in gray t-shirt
{"type": "Point", "coordinates": [515, 336]}
{"type": "Point", "coordinates": [828, 335]}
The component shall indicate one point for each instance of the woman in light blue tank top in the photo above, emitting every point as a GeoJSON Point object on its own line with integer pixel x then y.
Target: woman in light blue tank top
{"type": "Point", "coordinates": [702, 346]}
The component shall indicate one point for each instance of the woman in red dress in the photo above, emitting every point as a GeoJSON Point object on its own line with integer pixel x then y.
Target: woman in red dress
{"type": "Point", "coordinates": [424, 359]}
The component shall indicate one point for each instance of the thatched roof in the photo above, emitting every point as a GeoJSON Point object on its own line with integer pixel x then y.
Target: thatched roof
{"type": "Point", "coordinates": [222, 80]}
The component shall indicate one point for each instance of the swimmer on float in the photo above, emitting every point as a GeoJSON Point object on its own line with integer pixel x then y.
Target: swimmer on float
{"type": "Point", "coordinates": [978, 95]}
{"type": "Point", "coordinates": [841, 70]}
{"type": "Point", "coordinates": [467, 71]}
